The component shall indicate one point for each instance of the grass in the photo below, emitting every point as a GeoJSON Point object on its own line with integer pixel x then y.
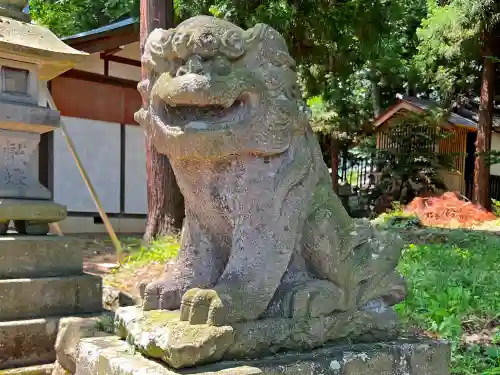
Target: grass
{"type": "Point", "coordinates": [143, 263]}
{"type": "Point", "coordinates": [160, 251]}
{"type": "Point", "coordinates": [454, 287]}
{"type": "Point", "coordinates": [454, 293]}
{"type": "Point", "coordinates": [453, 279]}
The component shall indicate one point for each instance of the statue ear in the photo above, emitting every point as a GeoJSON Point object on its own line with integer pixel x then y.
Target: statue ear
{"type": "Point", "coordinates": [269, 42]}
{"type": "Point", "coordinates": [255, 34]}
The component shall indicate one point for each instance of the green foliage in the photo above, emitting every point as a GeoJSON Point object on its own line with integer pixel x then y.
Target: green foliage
{"type": "Point", "coordinates": [397, 219]}
{"type": "Point", "coordinates": [106, 324]}
{"type": "Point", "coordinates": [67, 17]}
{"type": "Point", "coordinates": [160, 250]}
{"type": "Point", "coordinates": [453, 290]}
{"type": "Point", "coordinates": [449, 55]}
{"type": "Point", "coordinates": [495, 204]}
{"type": "Point", "coordinates": [355, 56]}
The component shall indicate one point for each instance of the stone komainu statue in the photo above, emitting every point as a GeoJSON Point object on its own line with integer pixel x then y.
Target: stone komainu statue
{"type": "Point", "coordinates": [264, 235]}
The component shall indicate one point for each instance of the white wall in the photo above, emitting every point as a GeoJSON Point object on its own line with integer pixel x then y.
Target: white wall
{"type": "Point", "coordinates": [495, 146]}
{"type": "Point", "coordinates": [135, 171]}
{"type": "Point", "coordinates": [98, 145]}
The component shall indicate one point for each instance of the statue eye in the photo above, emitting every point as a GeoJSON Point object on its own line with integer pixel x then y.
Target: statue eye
{"type": "Point", "coordinates": [208, 42]}
{"type": "Point", "coordinates": [233, 44]}
{"type": "Point", "coordinates": [221, 65]}
{"type": "Point", "coordinates": [180, 43]}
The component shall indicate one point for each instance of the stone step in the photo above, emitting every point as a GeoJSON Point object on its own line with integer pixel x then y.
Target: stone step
{"type": "Point", "coordinates": [32, 342]}
{"type": "Point", "coordinates": [40, 256]}
{"type": "Point", "coordinates": [31, 370]}
{"type": "Point", "coordinates": [27, 342]}
{"type": "Point", "coordinates": [49, 296]}
{"type": "Point", "coordinates": [111, 356]}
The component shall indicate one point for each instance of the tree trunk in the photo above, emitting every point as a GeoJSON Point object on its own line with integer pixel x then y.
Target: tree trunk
{"type": "Point", "coordinates": [481, 194]}
{"type": "Point", "coordinates": [375, 91]}
{"type": "Point", "coordinates": [165, 201]}
{"type": "Point", "coordinates": [335, 161]}
{"type": "Point", "coordinates": [376, 100]}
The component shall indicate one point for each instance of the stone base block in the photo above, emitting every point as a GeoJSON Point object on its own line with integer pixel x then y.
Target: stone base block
{"type": "Point", "coordinates": [32, 370]}
{"type": "Point", "coordinates": [27, 342]}
{"type": "Point", "coordinates": [111, 356]}
{"type": "Point", "coordinates": [49, 296]}
{"type": "Point", "coordinates": [34, 341]}
{"type": "Point", "coordinates": [39, 256]}
{"type": "Point", "coordinates": [160, 334]}
{"type": "Point", "coordinates": [31, 210]}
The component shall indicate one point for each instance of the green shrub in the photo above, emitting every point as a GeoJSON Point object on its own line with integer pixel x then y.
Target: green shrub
{"type": "Point", "coordinates": [397, 219]}
{"type": "Point", "coordinates": [454, 288]}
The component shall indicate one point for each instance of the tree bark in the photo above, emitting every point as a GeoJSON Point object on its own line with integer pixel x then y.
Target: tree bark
{"type": "Point", "coordinates": [335, 161]}
{"type": "Point", "coordinates": [165, 201]}
{"type": "Point", "coordinates": [376, 100]}
{"type": "Point", "coordinates": [481, 194]}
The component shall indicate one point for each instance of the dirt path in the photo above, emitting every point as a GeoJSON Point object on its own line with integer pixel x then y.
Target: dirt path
{"type": "Point", "coordinates": [99, 258]}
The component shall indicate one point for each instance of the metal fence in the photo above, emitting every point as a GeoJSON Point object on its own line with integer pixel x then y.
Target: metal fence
{"type": "Point", "coordinates": [494, 188]}
{"type": "Point", "coordinates": [356, 170]}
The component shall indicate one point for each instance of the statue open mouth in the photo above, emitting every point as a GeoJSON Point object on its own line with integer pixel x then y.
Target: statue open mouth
{"type": "Point", "coordinates": [201, 116]}
{"type": "Point", "coordinates": [196, 102]}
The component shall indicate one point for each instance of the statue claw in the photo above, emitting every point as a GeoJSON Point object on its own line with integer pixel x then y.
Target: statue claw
{"type": "Point", "coordinates": [313, 299]}
{"type": "Point", "coordinates": [160, 295]}
{"type": "Point", "coordinates": [206, 306]}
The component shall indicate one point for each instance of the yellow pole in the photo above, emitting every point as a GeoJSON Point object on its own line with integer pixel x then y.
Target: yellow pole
{"type": "Point", "coordinates": [86, 179]}
{"type": "Point", "coordinates": [55, 227]}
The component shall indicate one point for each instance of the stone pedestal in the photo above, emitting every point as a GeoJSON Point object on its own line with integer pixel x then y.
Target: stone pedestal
{"type": "Point", "coordinates": [30, 56]}
{"type": "Point", "coordinates": [23, 199]}
{"type": "Point", "coordinates": [17, 179]}
{"type": "Point", "coordinates": [41, 281]}
{"type": "Point", "coordinates": [111, 356]}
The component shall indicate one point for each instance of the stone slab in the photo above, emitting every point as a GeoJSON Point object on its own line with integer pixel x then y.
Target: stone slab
{"type": "Point", "coordinates": [33, 341]}
{"type": "Point", "coordinates": [160, 334]}
{"type": "Point", "coordinates": [34, 210]}
{"type": "Point", "coordinates": [40, 256]}
{"type": "Point", "coordinates": [72, 330]}
{"type": "Point", "coordinates": [50, 296]}
{"type": "Point", "coordinates": [37, 42]}
{"type": "Point", "coordinates": [111, 356]}
{"type": "Point", "coordinates": [28, 118]}
{"type": "Point", "coordinates": [31, 370]}
{"type": "Point", "coordinates": [27, 342]}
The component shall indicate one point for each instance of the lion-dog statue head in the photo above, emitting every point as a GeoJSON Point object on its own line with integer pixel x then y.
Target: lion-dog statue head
{"type": "Point", "coordinates": [216, 90]}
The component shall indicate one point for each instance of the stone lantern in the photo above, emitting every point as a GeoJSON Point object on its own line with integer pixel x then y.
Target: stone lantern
{"type": "Point", "coordinates": [30, 55]}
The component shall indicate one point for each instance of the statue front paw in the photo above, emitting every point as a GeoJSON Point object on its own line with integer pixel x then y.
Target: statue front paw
{"type": "Point", "coordinates": [313, 299]}
{"type": "Point", "coordinates": [208, 306]}
{"type": "Point", "coordinates": [161, 295]}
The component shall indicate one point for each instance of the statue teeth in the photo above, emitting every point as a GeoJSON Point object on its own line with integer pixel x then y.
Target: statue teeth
{"type": "Point", "coordinates": [200, 125]}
